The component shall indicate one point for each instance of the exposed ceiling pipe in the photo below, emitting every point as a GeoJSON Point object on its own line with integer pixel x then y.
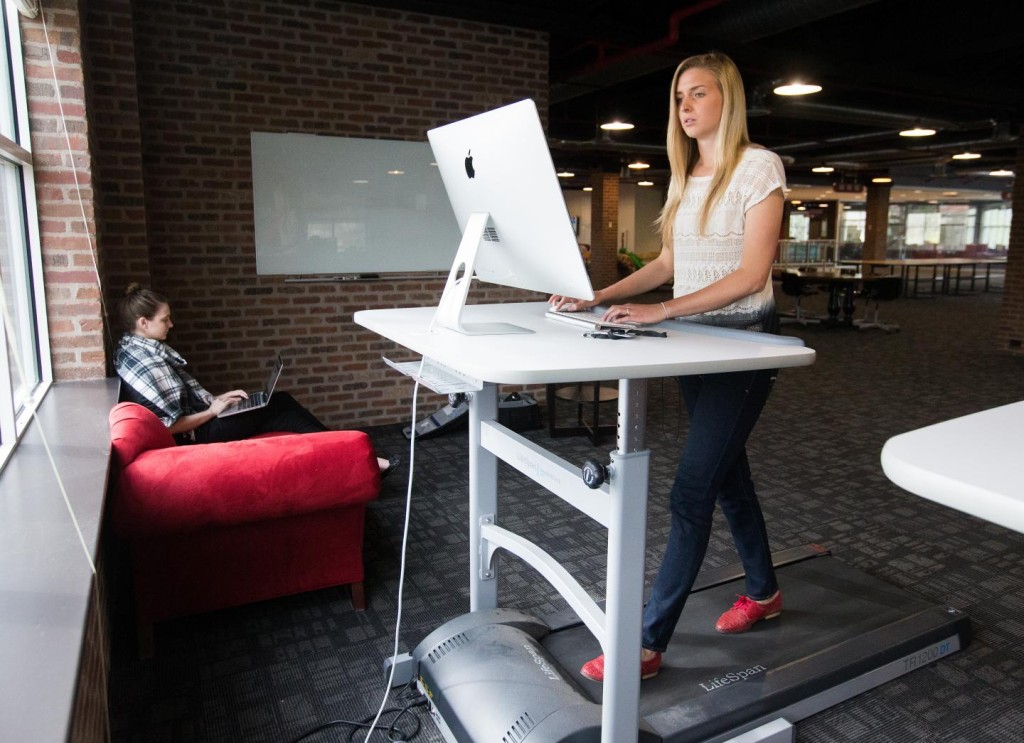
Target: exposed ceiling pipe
{"type": "Point", "coordinates": [870, 117]}
{"type": "Point", "coordinates": [610, 69]}
{"type": "Point", "coordinates": [732, 25]}
{"type": "Point", "coordinates": [926, 152]}
{"type": "Point", "coordinates": [752, 21]}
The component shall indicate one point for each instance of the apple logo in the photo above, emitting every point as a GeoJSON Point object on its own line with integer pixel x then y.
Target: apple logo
{"type": "Point", "coordinates": [469, 164]}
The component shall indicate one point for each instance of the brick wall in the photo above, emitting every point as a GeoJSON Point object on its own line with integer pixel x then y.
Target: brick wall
{"type": "Point", "coordinates": [1011, 327]}
{"type": "Point", "coordinates": [63, 181]}
{"type": "Point", "coordinates": [173, 140]}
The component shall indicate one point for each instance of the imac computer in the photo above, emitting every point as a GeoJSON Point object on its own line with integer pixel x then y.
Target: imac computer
{"type": "Point", "coordinates": [516, 230]}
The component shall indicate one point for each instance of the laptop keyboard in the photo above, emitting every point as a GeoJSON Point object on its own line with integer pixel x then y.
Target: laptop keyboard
{"type": "Point", "coordinates": [252, 401]}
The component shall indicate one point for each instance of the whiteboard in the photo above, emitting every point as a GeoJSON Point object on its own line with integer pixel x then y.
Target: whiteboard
{"type": "Point", "coordinates": [349, 206]}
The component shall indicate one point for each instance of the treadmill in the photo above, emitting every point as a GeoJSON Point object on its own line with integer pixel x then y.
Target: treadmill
{"type": "Point", "coordinates": [504, 675]}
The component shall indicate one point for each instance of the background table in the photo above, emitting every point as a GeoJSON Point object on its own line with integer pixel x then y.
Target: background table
{"type": "Point", "coordinates": [973, 464]}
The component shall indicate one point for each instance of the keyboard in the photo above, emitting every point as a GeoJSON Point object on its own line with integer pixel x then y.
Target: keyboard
{"type": "Point", "coordinates": [588, 320]}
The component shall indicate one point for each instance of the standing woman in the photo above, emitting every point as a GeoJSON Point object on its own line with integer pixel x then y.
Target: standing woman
{"type": "Point", "coordinates": [155, 376]}
{"type": "Point", "coordinates": [720, 229]}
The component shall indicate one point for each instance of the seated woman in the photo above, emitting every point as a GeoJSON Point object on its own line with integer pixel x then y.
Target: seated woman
{"type": "Point", "coordinates": [155, 377]}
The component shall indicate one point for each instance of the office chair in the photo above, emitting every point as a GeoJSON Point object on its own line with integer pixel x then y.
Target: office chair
{"type": "Point", "coordinates": [793, 286]}
{"type": "Point", "coordinates": [883, 289]}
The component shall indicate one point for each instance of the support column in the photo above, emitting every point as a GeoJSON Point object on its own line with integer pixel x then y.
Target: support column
{"type": "Point", "coordinates": [1010, 336]}
{"type": "Point", "coordinates": [876, 221]}
{"type": "Point", "coordinates": [604, 229]}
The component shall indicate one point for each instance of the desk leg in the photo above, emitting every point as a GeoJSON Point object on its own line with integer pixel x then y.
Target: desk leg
{"type": "Point", "coordinates": [833, 305]}
{"type": "Point", "coordinates": [620, 714]}
{"type": "Point", "coordinates": [848, 305]}
{"type": "Point", "coordinates": [483, 497]}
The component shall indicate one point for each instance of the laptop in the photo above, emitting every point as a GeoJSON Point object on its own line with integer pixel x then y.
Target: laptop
{"type": "Point", "coordinates": [257, 400]}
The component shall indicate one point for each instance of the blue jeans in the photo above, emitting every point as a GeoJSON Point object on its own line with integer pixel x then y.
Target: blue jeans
{"type": "Point", "coordinates": [723, 409]}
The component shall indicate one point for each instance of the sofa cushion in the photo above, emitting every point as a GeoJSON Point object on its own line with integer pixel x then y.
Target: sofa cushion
{"type": "Point", "coordinates": [185, 488]}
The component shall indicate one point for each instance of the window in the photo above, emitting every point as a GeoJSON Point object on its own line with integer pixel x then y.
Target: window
{"type": "Point", "coordinates": [24, 352]}
{"type": "Point", "coordinates": [995, 226]}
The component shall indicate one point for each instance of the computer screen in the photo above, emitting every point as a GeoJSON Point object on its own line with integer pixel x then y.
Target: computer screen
{"type": "Point", "coordinates": [500, 179]}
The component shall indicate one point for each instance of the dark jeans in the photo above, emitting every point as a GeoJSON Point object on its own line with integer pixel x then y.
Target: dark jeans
{"type": "Point", "coordinates": [723, 409]}
{"type": "Point", "coordinates": [283, 413]}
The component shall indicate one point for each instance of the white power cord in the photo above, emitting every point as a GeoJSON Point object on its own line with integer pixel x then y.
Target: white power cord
{"type": "Point", "coordinates": [401, 571]}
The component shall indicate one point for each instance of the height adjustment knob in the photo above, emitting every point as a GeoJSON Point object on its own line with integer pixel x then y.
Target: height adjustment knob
{"type": "Point", "coordinates": [594, 474]}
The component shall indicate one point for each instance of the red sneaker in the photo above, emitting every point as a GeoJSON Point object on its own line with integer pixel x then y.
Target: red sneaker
{"type": "Point", "coordinates": [594, 669]}
{"type": "Point", "coordinates": [746, 612]}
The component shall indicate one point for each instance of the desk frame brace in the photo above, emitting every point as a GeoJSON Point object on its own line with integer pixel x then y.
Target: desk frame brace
{"type": "Point", "coordinates": [620, 505]}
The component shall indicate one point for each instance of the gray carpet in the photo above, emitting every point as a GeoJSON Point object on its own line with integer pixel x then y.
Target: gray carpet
{"type": "Point", "coordinates": [273, 671]}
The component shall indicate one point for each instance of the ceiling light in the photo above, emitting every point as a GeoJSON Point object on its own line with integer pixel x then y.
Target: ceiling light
{"type": "Point", "coordinates": [565, 174]}
{"type": "Point", "coordinates": [950, 193]}
{"type": "Point", "coordinates": [616, 126]}
{"type": "Point", "coordinates": [823, 206]}
{"type": "Point", "coordinates": [967, 156]}
{"type": "Point", "coordinates": [796, 201]}
{"type": "Point", "coordinates": [797, 89]}
{"type": "Point", "coordinates": [1002, 173]}
{"type": "Point", "coordinates": [396, 172]}
{"type": "Point", "coordinates": [917, 131]}
{"type": "Point", "coordinates": [801, 208]}
{"type": "Point", "coordinates": [588, 188]}
{"type": "Point", "coordinates": [881, 179]}
{"type": "Point", "coordinates": [645, 183]}
{"type": "Point", "coordinates": [638, 165]}
{"type": "Point", "coordinates": [822, 169]}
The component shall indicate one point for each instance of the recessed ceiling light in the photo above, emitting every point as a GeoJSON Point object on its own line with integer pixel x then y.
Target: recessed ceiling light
{"type": "Point", "coordinates": [822, 169]}
{"type": "Point", "coordinates": [638, 165]}
{"type": "Point", "coordinates": [565, 174]}
{"type": "Point", "coordinates": [950, 193]}
{"type": "Point", "coordinates": [823, 206]}
{"type": "Point", "coordinates": [967, 156]}
{"type": "Point", "coordinates": [881, 179]}
{"type": "Point", "coordinates": [1002, 173]}
{"type": "Point", "coordinates": [801, 208]}
{"type": "Point", "coordinates": [917, 131]}
{"type": "Point", "coordinates": [796, 201]}
{"type": "Point", "coordinates": [396, 172]}
{"type": "Point", "coordinates": [797, 89]}
{"type": "Point", "coordinates": [645, 183]}
{"type": "Point", "coordinates": [588, 188]}
{"type": "Point", "coordinates": [616, 126]}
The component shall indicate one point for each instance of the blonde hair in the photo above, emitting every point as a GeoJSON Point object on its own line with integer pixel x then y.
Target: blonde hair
{"type": "Point", "coordinates": [730, 142]}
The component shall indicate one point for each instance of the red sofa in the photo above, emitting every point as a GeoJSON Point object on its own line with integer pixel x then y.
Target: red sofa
{"type": "Point", "coordinates": [217, 525]}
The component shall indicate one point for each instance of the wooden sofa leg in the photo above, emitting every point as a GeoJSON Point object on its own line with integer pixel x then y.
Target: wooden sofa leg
{"type": "Point", "coordinates": [358, 595]}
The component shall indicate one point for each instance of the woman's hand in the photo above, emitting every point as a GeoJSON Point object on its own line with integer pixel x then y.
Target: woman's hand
{"type": "Point", "coordinates": [570, 304]}
{"type": "Point", "coordinates": [642, 314]}
{"type": "Point", "coordinates": [221, 402]}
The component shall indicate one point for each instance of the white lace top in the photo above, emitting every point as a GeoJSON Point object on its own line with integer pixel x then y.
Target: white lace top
{"type": "Point", "coordinates": [701, 260]}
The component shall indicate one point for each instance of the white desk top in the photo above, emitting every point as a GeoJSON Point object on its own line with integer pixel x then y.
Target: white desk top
{"type": "Point", "coordinates": [973, 464]}
{"type": "Point", "coordinates": [558, 352]}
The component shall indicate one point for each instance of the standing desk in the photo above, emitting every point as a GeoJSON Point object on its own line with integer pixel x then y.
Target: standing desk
{"type": "Point", "coordinates": [558, 353]}
{"type": "Point", "coordinates": [971, 463]}
{"type": "Point", "coordinates": [497, 669]}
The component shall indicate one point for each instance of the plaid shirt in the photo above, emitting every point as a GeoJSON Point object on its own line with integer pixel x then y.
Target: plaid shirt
{"type": "Point", "coordinates": [157, 373]}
